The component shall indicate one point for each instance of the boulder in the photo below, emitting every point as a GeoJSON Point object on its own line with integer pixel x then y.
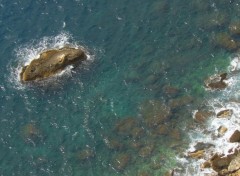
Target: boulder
{"type": "Point", "coordinates": [235, 137]}
{"type": "Point", "coordinates": [216, 81]}
{"type": "Point", "coordinates": [51, 62]}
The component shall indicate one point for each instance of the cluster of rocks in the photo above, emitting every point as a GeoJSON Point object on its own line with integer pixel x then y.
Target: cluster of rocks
{"type": "Point", "coordinates": [222, 164]}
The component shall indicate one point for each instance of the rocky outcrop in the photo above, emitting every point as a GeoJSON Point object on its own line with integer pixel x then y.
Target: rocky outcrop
{"type": "Point", "coordinates": [51, 62]}
{"type": "Point", "coordinates": [216, 81]}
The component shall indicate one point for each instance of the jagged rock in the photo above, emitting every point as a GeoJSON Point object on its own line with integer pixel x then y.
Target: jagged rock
{"type": "Point", "coordinates": [216, 81]}
{"type": "Point", "coordinates": [235, 137]}
{"type": "Point", "coordinates": [169, 173]}
{"type": "Point", "coordinates": [225, 113]}
{"type": "Point", "coordinates": [51, 62]}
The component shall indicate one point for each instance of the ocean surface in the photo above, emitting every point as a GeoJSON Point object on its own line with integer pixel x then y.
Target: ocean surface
{"type": "Point", "coordinates": [128, 109]}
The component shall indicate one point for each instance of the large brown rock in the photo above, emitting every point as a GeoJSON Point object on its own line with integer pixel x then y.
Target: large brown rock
{"type": "Point", "coordinates": [51, 62]}
{"type": "Point", "coordinates": [216, 81]}
{"type": "Point", "coordinates": [235, 136]}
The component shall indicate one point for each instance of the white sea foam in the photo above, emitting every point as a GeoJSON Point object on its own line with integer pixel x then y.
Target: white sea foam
{"type": "Point", "coordinates": [209, 134]}
{"type": "Point", "coordinates": [24, 54]}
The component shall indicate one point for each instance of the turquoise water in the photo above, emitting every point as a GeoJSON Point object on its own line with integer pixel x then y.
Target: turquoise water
{"type": "Point", "coordinates": [137, 50]}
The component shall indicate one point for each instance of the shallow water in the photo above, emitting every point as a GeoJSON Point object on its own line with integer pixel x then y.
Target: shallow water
{"type": "Point", "coordinates": [136, 50]}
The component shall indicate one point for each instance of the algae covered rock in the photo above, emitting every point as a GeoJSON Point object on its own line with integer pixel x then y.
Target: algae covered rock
{"type": "Point", "coordinates": [51, 62]}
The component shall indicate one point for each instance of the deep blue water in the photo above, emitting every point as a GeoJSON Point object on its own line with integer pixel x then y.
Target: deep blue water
{"type": "Point", "coordinates": [138, 48]}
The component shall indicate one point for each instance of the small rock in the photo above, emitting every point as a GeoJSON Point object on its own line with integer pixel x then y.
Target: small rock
{"type": "Point", "coordinates": [222, 130]}
{"type": "Point", "coordinates": [235, 137]}
{"type": "Point", "coordinates": [143, 173]}
{"type": "Point", "coordinates": [170, 90]}
{"type": "Point", "coordinates": [197, 154]}
{"type": "Point", "coordinates": [202, 116]}
{"type": "Point", "coordinates": [175, 134]}
{"type": "Point", "coordinates": [225, 113]}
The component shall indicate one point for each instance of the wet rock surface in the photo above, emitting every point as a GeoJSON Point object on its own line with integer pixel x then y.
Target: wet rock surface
{"type": "Point", "coordinates": [225, 113]}
{"type": "Point", "coordinates": [235, 137]}
{"type": "Point", "coordinates": [51, 62]}
{"type": "Point", "coordinates": [216, 82]}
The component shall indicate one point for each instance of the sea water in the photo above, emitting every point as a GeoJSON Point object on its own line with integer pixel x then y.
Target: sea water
{"type": "Point", "coordinates": [136, 50]}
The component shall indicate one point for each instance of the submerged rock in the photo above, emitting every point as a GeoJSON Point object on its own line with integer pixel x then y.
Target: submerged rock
{"type": "Point", "coordinates": [85, 154]}
{"type": "Point", "coordinates": [121, 161]}
{"type": "Point", "coordinates": [216, 81]}
{"type": "Point", "coordinates": [31, 133]}
{"type": "Point", "coordinates": [154, 112]}
{"type": "Point", "coordinates": [225, 41]}
{"type": "Point", "coordinates": [51, 62]}
{"type": "Point", "coordinates": [202, 116]}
